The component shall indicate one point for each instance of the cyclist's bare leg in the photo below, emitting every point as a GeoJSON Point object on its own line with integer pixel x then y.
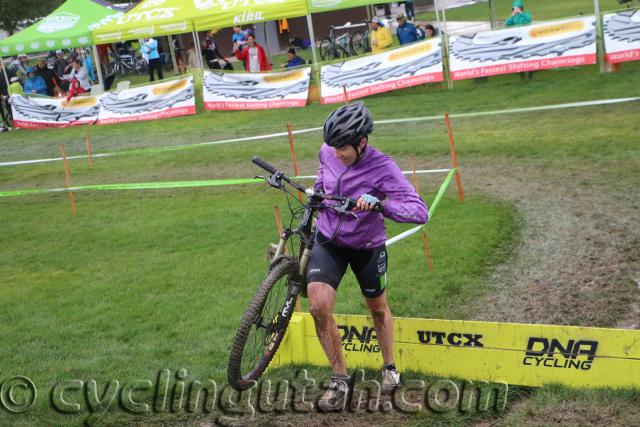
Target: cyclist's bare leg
{"type": "Point", "coordinates": [322, 298]}
{"type": "Point", "coordinates": [383, 324]}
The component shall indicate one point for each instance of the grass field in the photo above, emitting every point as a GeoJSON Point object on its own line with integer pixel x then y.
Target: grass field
{"type": "Point", "coordinates": [142, 281]}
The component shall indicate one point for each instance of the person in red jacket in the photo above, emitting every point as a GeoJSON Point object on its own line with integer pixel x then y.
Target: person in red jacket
{"type": "Point", "coordinates": [254, 56]}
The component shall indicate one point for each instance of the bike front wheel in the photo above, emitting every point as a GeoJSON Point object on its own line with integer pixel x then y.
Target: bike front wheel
{"type": "Point", "coordinates": [328, 50]}
{"type": "Point", "coordinates": [263, 325]}
{"type": "Point", "coordinates": [359, 43]}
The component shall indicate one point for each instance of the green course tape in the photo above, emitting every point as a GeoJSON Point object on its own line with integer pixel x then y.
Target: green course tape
{"type": "Point", "coordinates": [441, 191]}
{"type": "Point", "coordinates": [135, 186]}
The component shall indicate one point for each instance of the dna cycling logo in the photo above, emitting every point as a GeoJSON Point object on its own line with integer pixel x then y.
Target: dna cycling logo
{"type": "Point", "coordinates": [356, 339]}
{"type": "Point", "coordinates": [553, 353]}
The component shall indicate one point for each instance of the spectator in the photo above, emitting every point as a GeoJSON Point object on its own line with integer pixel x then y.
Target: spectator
{"type": "Point", "coordinates": [211, 52]}
{"type": "Point", "coordinates": [239, 38]}
{"type": "Point", "coordinates": [15, 88]}
{"type": "Point", "coordinates": [518, 15]}
{"type": "Point", "coordinates": [406, 31]}
{"type": "Point", "coordinates": [75, 89]}
{"type": "Point", "coordinates": [254, 56]}
{"type": "Point", "coordinates": [59, 64]}
{"type": "Point", "coordinates": [192, 57]}
{"type": "Point", "coordinates": [103, 52]}
{"type": "Point", "coordinates": [20, 65]}
{"type": "Point", "coordinates": [409, 10]}
{"type": "Point", "coordinates": [80, 74]}
{"type": "Point", "coordinates": [34, 84]}
{"type": "Point", "coordinates": [430, 32]}
{"type": "Point", "coordinates": [380, 36]}
{"type": "Point", "coordinates": [150, 47]}
{"type": "Point", "coordinates": [88, 63]}
{"type": "Point", "coordinates": [294, 59]}
{"type": "Point", "coordinates": [47, 75]}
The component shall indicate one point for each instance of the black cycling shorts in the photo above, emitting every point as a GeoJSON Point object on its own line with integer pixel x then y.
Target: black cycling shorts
{"type": "Point", "coordinates": [328, 263]}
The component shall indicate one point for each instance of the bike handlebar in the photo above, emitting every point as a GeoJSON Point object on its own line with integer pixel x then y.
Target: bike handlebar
{"type": "Point", "coordinates": [348, 202]}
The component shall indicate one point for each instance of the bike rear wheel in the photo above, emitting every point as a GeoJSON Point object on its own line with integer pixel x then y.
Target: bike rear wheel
{"type": "Point", "coordinates": [263, 325]}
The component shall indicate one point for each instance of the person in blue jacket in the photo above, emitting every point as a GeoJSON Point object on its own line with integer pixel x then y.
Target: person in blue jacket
{"type": "Point", "coordinates": [406, 31]}
{"type": "Point", "coordinates": [294, 59]}
{"type": "Point", "coordinates": [150, 48]}
{"type": "Point", "coordinates": [34, 84]}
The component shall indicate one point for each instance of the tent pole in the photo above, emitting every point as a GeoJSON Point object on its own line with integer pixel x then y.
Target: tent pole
{"type": "Point", "coordinates": [492, 13]}
{"type": "Point", "coordinates": [599, 40]}
{"type": "Point", "coordinates": [96, 59]}
{"type": "Point", "coordinates": [312, 37]}
{"type": "Point", "coordinates": [172, 51]}
{"type": "Point", "coordinates": [196, 42]}
{"type": "Point", "coordinates": [6, 77]}
{"type": "Point", "coordinates": [266, 40]}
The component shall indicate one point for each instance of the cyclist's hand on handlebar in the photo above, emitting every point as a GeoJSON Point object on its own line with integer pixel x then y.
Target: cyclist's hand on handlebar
{"type": "Point", "coordinates": [367, 202]}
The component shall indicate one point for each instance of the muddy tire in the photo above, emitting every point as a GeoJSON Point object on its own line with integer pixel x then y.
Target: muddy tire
{"type": "Point", "coordinates": [263, 325]}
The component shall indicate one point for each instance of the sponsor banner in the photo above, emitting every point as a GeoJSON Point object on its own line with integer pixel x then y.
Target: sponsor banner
{"type": "Point", "coordinates": [253, 91]}
{"type": "Point", "coordinates": [412, 65]}
{"type": "Point", "coordinates": [622, 36]}
{"type": "Point", "coordinates": [162, 100]}
{"type": "Point", "coordinates": [38, 113]}
{"type": "Point", "coordinates": [566, 43]}
{"type": "Point", "coordinates": [522, 354]}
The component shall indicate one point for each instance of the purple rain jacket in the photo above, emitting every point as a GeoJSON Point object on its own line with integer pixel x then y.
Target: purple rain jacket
{"type": "Point", "coordinates": [374, 173]}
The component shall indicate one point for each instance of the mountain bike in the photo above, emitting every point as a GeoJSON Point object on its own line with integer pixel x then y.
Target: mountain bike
{"type": "Point", "coordinates": [344, 45]}
{"type": "Point", "coordinates": [126, 63]}
{"type": "Point", "coordinates": [265, 321]}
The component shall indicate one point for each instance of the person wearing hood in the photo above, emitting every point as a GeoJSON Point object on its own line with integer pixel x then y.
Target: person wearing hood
{"type": "Point", "coordinates": [380, 36]}
{"type": "Point", "coordinates": [34, 84]}
{"type": "Point", "coordinates": [518, 15]}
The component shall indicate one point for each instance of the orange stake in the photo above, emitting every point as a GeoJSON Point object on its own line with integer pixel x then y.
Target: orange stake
{"type": "Point", "coordinates": [276, 211]}
{"type": "Point", "coordinates": [87, 144]}
{"type": "Point", "coordinates": [427, 250]}
{"type": "Point", "coordinates": [346, 95]}
{"type": "Point", "coordinates": [296, 171]}
{"type": "Point", "coordinates": [414, 176]}
{"type": "Point", "coordinates": [67, 178]}
{"type": "Point", "coordinates": [454, 157]}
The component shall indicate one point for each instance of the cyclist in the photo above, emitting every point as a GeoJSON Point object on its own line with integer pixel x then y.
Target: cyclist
{"type": "Point", "coordinates": [350, 166]}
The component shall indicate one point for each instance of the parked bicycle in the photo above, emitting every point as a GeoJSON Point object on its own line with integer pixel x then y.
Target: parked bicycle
{"type": "Point", "coordinates": [127, 63]}
{"type": "Point", "coordinates": [346, 44]}
{"type": "Point", "coordinates": [266, 320]}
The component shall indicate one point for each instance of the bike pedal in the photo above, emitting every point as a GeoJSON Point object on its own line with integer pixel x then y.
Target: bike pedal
{"type": "Point", "coordinates": [271, 252]}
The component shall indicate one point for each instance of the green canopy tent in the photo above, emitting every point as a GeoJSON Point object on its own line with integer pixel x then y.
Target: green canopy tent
{"type": "Point", "coordinates": [68, 26]}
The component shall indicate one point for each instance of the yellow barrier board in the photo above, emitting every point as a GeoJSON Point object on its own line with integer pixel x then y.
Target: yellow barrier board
{"type": "Point", "coordinates": [519, 354]}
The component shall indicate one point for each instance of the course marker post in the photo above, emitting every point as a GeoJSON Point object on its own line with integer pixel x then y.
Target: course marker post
{"type": "Point", "coordinates": [454, 157]}
{"type": "Point", "coordinates": [414, 175]}
{"type": "Point", "coordinates": [346, 95]}
{"type": "Point", "coordinates": [296, 171]}
{"type": "Point", "coordinates": [67, 178]}
{"type": "Point", "coordinates": [87, 144]}
{"type": "Point", "coordinates": [427, 249]}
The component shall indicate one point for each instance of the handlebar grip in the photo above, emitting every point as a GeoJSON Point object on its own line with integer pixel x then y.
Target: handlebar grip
{"type": "Point", "coordinates": [264, 165]}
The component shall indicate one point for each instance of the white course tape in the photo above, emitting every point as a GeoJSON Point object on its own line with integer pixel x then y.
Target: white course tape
{"type": "Point", "coordinates": [308, 130]}
{"type": "Point", "coordinates": [404, 235]}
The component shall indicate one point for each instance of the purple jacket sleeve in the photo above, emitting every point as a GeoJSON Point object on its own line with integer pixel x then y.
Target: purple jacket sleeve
{"type": "Point", "coordinates": [319, 185]}
{"type": "Point", "coordinates": [403, 204]}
